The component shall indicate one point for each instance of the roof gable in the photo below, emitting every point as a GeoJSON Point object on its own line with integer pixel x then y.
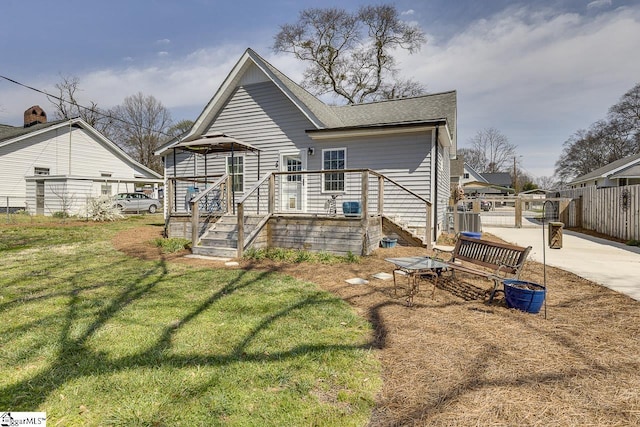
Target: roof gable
{"type": "Point", "coordinates": [252, 68]}
{"type": "Point", "coordinates": [21, 134]}
{"type": "Point", "coordinates": [473, 173]}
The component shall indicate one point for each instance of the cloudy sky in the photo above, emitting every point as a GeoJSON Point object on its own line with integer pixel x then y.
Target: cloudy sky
{"type": "Point", "coordinates": [537, 71]}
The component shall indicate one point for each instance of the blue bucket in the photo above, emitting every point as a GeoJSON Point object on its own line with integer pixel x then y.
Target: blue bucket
{"type": "Point", "coordinates": [471, 234]}
{"type": "Point", "coordinates": [387, 242]}
{"type": "Point", "coordinates": [525, 296]}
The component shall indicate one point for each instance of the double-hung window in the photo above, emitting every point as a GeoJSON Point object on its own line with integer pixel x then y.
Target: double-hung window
{"type": "Point", "coordinates": [333, 159]}
{"type": "Point", "coordinates": [236, 170]}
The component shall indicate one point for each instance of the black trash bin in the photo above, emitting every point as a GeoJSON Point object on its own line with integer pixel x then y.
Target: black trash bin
{"type": "Point", "coordinates": [555, 234]}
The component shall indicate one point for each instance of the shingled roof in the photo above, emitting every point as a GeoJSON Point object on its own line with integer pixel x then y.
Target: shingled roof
{"type": "Point", "coordinates": [417, 109]}
{"type": "Point", "coordinates": [612, 168]}
{"type": "Point", "coordinates": [9, 132]}
{"type": "Point", "coordinates": [427, 109]}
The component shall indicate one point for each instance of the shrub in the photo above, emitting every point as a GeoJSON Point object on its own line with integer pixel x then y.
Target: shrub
{"type": "Point", "coordinates": [255, 254]}
{"type": "Point", "coordinates": [171, 245]}
{"type": "Point", "coordinates": [61, 214]}
{"type": "Point", "coordinates": [102, 208]}
{"type": "Point", "coordinates": [298, 256]}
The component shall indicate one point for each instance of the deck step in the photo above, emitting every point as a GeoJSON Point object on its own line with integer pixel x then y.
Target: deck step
{"type": "Point", "coordinates": [219, 242]}
{"type": "Point", "coordinates": [221, 252]}
{"type": "Point", "coordinates": [222, 237]}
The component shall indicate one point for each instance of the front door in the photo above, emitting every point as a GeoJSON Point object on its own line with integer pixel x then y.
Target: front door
{"type": "Point", "coordinates": [293, 186]}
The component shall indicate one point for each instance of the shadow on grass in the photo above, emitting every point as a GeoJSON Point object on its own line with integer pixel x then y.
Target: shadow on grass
{"type": "Point", "coordinates": [76, 360]}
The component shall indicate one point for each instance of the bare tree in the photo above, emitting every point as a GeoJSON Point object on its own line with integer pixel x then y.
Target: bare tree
{"type": "Point", "coordinates": [624, 119]}
{"type": "Point", "coordinates": [473, 158]}
{"type": "Point", "coordinates": [140, 125]}
{"type": "Point", "coordinates": [350, 53]}
{"type": "Point", "coordinates": [491, 151]}
{"type": "Point", "coordinates": [546, 182]}
{"type": "Point", "coordinates": [605, 141]}
{"type": "Point", "coordinates": [67, 105]}
{"type": "Point", "coordinates": [65, 199]}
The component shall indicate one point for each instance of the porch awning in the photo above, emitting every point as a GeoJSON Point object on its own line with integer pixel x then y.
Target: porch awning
{"type": "Point", "coordinates": [216, 142]}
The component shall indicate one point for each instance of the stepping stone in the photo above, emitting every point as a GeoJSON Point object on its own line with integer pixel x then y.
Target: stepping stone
{"type": "Point", "coordinates": [357, 281]}
{"type": "Point", "coordinates": [383, 276]}
{"type": "Point", "coordinates": [231, 264]}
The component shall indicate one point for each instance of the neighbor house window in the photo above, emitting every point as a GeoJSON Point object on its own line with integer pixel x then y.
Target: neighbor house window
{"type": "Point", "coordinates": [236, 170]}
{"type": "Point", "coordinates": [466, 176]}
{"type": "Point", "coordinates": [40, 171]}
{"type": "Point", "coordinates": [334, 159]}
{"type": "Point", "coordinates": [105, 188]}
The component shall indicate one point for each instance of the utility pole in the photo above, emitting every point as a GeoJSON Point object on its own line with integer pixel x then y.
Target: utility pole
{"type": "Point", "coordinates": [515, 176]}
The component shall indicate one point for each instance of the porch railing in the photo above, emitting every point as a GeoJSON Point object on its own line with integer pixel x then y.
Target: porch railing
{"type": "Point", "coordinates": [315, 193]}
{"type": "Point", "coordinates": [258, 202]}
{"type": "Point", "coordinates": [402, 205]}
{"type": "Point", "coordinates": [309, 193]}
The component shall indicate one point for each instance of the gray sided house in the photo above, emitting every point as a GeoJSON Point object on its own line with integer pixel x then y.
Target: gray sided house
{"type": "Point", "coordinates": [50, 167]}
{"type": "Point", "coordinates": [268, 164]}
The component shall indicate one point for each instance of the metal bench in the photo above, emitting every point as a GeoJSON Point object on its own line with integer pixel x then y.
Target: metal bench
{"type": "Point", "coordinates": [500, 260]}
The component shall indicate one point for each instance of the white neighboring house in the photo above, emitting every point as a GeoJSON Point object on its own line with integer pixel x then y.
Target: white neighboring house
{"type": "Point", "coordinates": [625, 171]}
{"type": "Point", "coordinates": [49, 167]}
{"type": "Point", "coordinates": [470, 175]}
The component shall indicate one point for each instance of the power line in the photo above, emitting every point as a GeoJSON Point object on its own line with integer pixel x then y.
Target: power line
{"type": "Point", "coordinates": [92, 110]}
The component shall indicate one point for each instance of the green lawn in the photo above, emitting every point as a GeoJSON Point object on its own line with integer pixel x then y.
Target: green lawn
{"type": "Point", "coordinates": [93, 337]}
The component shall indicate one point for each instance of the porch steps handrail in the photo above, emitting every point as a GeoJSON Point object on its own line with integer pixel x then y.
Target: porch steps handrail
{"type": "Point", "coordinates": [195, 207]}
{"type": "Point", "coordinates": [242, 241]}
{"type": "Point", "coordinates": [214, 186]}
{"type": "Point", "coordinates": [402, 187]}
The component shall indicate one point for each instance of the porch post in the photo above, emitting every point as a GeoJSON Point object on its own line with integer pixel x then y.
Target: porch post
{"type": "Point", "coordinates": [427, 229]}
{"type": "Point", "coordinates": [171, 188]}
{"type": "Point", "coordinates": [228, 190]}
{"type": "Point", "coordinates": [272, 193]}
{"type": "Point", "coordinates": [175, 186]}
{"type": "Point", "coordinates": [195, 220]}
{"type": "Point", "coordinates": [518, 212]}
{"type": "Point", "coordinates": [233, 189]}
{"type": "Point", "coordinates": [380, 195]}
{"type": "Point", "coordinates": [258, 206]}
{"type": "Point", "coordinates": [365, 193]}
{"type": "Point", "coordinates": [365, 212]}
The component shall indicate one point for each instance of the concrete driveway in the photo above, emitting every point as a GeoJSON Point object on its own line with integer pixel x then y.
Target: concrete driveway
{"type": "Point", "coordinates": [614, 265]}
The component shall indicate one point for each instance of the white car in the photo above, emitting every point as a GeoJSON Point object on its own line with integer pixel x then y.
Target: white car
{"type": "Point", "coordinates": [137, 202]}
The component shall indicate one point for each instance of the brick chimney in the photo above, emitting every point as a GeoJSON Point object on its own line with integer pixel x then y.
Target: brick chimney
{"type": "Point", "coordinates": [34, 115]}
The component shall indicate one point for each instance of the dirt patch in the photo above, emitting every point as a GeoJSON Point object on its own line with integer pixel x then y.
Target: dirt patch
{"type": "Point", "coordinates": [455, 359]}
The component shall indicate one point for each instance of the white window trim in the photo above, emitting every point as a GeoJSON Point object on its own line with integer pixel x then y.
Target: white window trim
{"type": "Point", "coordinates": [41, 169]}
{"type": "Point", "coordinates": [344, 191]}
{"type": "Point", "coordinates": [244, 168]}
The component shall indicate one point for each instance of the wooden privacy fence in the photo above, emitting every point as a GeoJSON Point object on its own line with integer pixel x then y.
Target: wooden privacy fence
{"type": "Point", "coordinates": [614, 211]}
